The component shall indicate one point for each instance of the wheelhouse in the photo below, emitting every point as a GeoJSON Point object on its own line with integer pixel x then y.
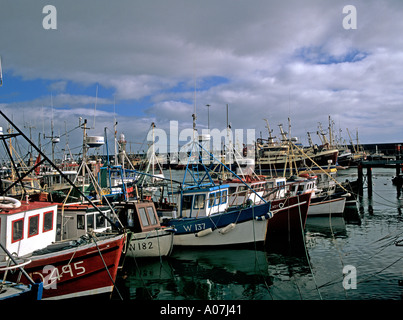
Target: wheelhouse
{"type": "Point", "coordinates": [138, 216]}
{"type": "Point", "coordinates": [203, 202]}
{"type": "Point", "coordinates": [76, 220]}
{"type": "Point", "coordinates": [28, 227]}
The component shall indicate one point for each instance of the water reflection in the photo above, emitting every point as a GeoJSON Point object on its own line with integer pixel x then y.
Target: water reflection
{"type": "Point", "coordinates": [279, 271]}
{"type": "Point", "coordinates": [214, 274]}
{"type": "Point", "coordinates": [326, 226]}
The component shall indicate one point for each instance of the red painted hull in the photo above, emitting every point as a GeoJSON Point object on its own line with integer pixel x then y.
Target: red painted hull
{"type": "Point", "coordinates": [79, 271]}
{"type": "Point", "coordinates": [289, 217]}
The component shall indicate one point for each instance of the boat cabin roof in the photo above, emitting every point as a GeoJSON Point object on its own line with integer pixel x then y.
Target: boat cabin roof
{"type": "Point", "coordinates": [206, 189]}
{"type": "Point", "coordinates": [26, 206]}
{"type": "Point", "coordinates": [84, 207]}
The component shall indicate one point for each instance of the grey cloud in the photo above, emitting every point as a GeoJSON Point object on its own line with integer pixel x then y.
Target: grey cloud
{"type": "Point", "coordinates": [145, 48]}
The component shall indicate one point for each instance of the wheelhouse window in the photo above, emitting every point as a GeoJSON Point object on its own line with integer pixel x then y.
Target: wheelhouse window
{"type": "Point", "coordinates": [232, 190]}
{"type": "Point", "coordinates": [280, 184]}
{"type": "Point", "coordinates": [211, 199]}
{"type": "Point", "coordinates": [143, 217]}
{"type": "Point", "coordinates": [90, 221]}
{"type": "Point", "coordinates": [187, 202]}
{"type": "Point", "coordinates": [100, 221]}
{"type": "Point", "coordinates": [129, 217]}
{"type": "Point", "coordinates": [223, 197]}
{"type": "Point", "coordinates": [199, 201]}
{"type": "Point", "coordinates": [33, 226]}
{"type": "Point", "coordinates": [47, 221]}
{"type": "Point", "coordinates": [18, 230]}
{"type": "Point", "coordinates": [217, 198]}
{"type": "Point", "coordinates": [80, 222]}
{"type": "Point", "coordinates": [151, 216]}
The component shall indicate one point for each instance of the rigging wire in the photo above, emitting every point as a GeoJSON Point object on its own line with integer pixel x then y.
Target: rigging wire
{"type": "Point", "coordinates": [306, 252]}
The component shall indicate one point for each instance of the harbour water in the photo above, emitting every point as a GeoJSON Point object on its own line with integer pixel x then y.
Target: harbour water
{"type": "Point", "coordinates": [344, 258]}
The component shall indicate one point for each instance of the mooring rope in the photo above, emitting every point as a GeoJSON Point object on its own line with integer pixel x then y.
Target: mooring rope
{"type": "Point", "coordinates": [306, 251]}
{"type": "Point", "coordinates": [106, 267]}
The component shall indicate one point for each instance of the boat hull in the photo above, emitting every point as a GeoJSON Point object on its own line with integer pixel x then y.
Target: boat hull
{"type": "Point", "coordinates": [155, 243]}
{"type": "Point", "coordinates": [289, 218]}
{"type": "Point", "coordinates": [20, 292]}
{"type": "Point", "coordinates": [281, 163]}
{"type": "Point", "coordinates": [237, 226]}
{"type": "Point", "coordinates": [252, 231]}
{"type": "Point", "coordinates": [78, 271]}
{"type": "Point", "coordinates": [333, 207]}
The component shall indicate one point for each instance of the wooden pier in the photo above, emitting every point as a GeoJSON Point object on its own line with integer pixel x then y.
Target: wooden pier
{"type": "Point", "coordinates": [397, 164]}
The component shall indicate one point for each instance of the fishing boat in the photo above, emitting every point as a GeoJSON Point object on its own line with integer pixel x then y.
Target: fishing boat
{"type": "Point", "coordinates": [203, 217]}
{"type": "Point", "coordinates": [321, 203]}
{"type": "Point", "coordinates": [289, 219]}
{"type": "Point", "coordinates": [77, 219]}
{"type": "Point", "coordinates": [239, 193]}
{"type": "Point", "coordinates": [206, 220]}
{"type": "Point", "coordinates": [289, 212]}
{"type": "Point", "coordinates": [11, 290]}
{"type": "Point", "coordinates": [139, 217]}
{"type": "Point", "coordinates": [288, 155]}
{"type": "Point", "coordinates": [84, 266]}
{"type": "Point", "coordinates": [148, 237]}
{"type": "Point", "coordinates": [17, 290]}
{"type": "Point", "coordinates": [327, 206]}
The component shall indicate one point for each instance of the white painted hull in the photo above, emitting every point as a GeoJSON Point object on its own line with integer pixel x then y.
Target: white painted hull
{"type": "Point", "coordinates": [330, 207]}
{"type": "Point", "coordinates": [243, 233]}
{"type": "Point", "coordinates": [156, 243]}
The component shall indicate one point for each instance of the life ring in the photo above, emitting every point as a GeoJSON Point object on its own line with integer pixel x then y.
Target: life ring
{"type": "Point", "coordinates": [9, 203]}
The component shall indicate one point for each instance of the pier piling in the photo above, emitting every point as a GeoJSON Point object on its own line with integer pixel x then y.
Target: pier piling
{"type": "Point", "coordinates": [386, 163]}
{"type": "Point", "coordinates": [369, 181]}
{"type": "Point", "coordinates": [360, 181]}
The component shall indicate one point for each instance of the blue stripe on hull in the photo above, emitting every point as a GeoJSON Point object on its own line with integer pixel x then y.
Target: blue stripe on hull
{"type": "Point", "coordinates": [233, 215]}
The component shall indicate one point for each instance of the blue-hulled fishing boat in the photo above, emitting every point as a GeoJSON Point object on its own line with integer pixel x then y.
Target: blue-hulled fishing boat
{"type": "Point", "coordinates": [203, 217]}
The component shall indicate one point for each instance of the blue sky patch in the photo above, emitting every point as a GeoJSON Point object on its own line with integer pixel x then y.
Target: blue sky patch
{"type": "Point", "coordinates": [316, 55]}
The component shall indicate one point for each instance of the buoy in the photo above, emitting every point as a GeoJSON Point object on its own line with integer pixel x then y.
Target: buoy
{"type": "Point", "coordinates": [9, 203]}
{"type": "Point", "coordinates": [204, 232]}
{"type": "Point", "coordinates": [228, 228]}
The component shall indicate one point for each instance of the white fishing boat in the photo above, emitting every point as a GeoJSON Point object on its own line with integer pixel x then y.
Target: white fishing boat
{"type": "Point", "coordinates": [204, 219]}
{"type": "Point", "coordinates": [148, 238]}
{"type": "Point", "coordinates": [321, 203]}
{"type": "Point", "coordinates": [333, 207]}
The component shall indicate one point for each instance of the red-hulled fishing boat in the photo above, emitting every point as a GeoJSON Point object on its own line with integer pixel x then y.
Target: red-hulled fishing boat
{"type": "Point", "coordinates": [85, 266]}
{"type": "Point", "coordinates": [78, 267]}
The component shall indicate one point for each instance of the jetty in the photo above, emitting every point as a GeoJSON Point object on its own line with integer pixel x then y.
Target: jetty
{"type": "Point", "coordinates": [379, 163]}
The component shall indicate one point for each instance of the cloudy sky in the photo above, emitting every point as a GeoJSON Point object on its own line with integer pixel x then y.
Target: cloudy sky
{"type": "Point", "coordinates": [154, 61]}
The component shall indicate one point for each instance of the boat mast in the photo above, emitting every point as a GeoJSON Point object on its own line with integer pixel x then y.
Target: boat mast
{"type": "Point", "coordinates": [271, 138]}
{"type": "Point", "coordinates": [84, 152]}
{"type": "Point", "coordinates": [1, 74]}
{"type": "Point", "coordinates": [45, 158]}
{"type": "Point", "coordinates": [351, 141]}
{"type": "Point", "coordinates": [115, 123]}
